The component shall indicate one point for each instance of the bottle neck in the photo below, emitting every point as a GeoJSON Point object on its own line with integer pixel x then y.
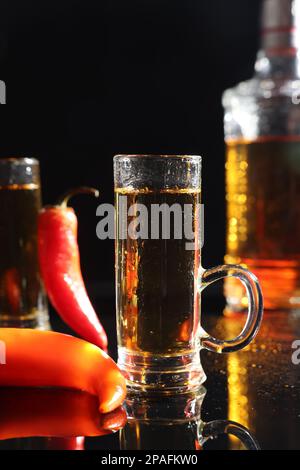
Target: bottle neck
{"type": "Point", "coordinates": [280, 32]}
{"type": "Point", "coordinates": [282, 65]}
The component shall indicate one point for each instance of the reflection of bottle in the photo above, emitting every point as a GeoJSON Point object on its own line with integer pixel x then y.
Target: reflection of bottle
{"type": "Point", "coordinates": [262, 130]}
{"type": "Point", "coordinates": [174, 423]}
{"type": "Point", "coordinates": [240, 408]}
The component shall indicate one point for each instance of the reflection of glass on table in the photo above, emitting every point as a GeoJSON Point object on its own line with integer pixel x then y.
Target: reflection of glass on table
{"type": "Point", "coordinates": [174, 423]}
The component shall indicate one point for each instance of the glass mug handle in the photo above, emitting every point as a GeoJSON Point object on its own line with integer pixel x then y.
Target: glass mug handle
{"type": "Point", "coordinates": [216, 428]}
{"type": "Point", "coordinates": [255, 307]}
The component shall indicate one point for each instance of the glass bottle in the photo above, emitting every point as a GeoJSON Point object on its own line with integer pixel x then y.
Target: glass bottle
{"type": "Point", "coordinates": [262, 133]}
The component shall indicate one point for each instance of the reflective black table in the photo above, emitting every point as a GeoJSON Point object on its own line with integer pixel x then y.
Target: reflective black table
{"type": "Point", "coordinates": [251, 398]}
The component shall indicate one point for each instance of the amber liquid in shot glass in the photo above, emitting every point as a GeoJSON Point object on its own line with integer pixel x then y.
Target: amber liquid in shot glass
{"type": "Point", "coordinates": [22, 298]}
{"type": "Point", "coordinates": [156, 302]}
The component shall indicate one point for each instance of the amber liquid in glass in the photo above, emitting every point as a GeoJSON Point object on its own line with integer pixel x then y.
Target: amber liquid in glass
{"type": "Point", "coordinates": [263, 219]}
{"type": "Point", "coordinates": [158, 303]}
{"type": "Point", "coordinates": [22, 300]}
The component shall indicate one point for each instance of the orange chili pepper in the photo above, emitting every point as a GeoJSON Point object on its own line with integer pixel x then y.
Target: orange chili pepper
{"type": "Point", "coordinates": [54, 413]}
{"type": "Point", "coordinates": [60, 269]}
{"type": "Point", "coordinates": [47, 359]}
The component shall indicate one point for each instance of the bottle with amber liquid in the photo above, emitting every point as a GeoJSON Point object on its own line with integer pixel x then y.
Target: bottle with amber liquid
{"type": "Point", "coordinates": [262, 132]}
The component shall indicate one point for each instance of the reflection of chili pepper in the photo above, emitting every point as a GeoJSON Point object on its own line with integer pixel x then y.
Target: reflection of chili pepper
{"type": "Point", "coordinates": [47, 359]}
{"type": "Point", "coordinates": [198, 445]}
{"type": "Point", "coordinates": [60, 269]}
{"type": "Point", "coordinates": [185, 330]}
{"type": "Point", "coordinates": [12, 288]}
{"type": "Point", "coordinates": [54, 413]}
{"type": "Point", "coordinates": [65, 443]}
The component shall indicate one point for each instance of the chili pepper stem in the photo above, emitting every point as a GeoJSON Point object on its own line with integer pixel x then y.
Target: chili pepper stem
{"type": "Point", "coordinates": [64, 199]}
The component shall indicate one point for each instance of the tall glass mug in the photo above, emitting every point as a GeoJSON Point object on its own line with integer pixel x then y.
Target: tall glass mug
{"type": "Point", "coordinates": [22, 299]}
{"type": "Point", "coordinates": [159, 278]}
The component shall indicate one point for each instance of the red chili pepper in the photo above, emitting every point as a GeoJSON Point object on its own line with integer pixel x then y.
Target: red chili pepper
{"type": "Point", "coordinates": [60, 269]}
{"type": "Point", "coordinates": [35, 358]}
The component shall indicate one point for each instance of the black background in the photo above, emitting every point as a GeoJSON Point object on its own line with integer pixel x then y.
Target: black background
{"type": "Point", "coordinates": [88, 79]}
